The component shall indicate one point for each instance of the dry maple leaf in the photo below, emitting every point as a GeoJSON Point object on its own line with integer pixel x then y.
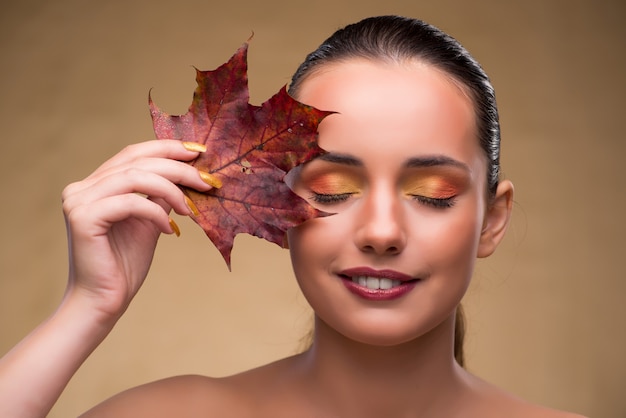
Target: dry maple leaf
{"type": "Point", "coordinates": [250, 149]}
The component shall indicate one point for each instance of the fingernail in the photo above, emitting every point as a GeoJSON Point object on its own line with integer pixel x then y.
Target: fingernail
{"type": "Point", "coordinates": [175, 227]}
{"type": "Point", "coordinates": [210, 179]}
{"type": "Point", "coordinates": [194, 146]}
{"type": "Point", "coordinates": [192, 206]}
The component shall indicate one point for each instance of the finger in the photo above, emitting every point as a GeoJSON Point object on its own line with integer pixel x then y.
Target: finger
{"type": "Point", "coordinates": [130, 181]}
{"type": "Point", "coordinates": [166, 207]}
{"type": "Point", "coordinates": [97, 218]}
{"type": "Point", "coordinates": [174, 171]}
{"type": "Point", "coordinates": [162, 148]}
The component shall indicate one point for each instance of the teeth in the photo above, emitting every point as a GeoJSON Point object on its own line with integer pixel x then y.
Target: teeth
{"type": "Point", "coordinates": [375, 283]}
{"type": "Point", "coordinates": [385, 284]}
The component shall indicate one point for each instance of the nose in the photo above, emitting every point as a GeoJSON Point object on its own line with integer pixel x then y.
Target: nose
{"type": "Point", "coordinates": [381, 224]}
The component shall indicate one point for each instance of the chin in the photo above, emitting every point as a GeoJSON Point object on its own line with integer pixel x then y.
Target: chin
{"type": "Point", "coordinates": [388, 324]}
{"type": "Point", "coordinates": [386, 335]}
{"type": "Point", "coordinates": [378, 340]}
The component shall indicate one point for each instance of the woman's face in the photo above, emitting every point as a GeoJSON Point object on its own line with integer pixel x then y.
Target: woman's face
{"type": "Point", "coordinates": [405, 177]}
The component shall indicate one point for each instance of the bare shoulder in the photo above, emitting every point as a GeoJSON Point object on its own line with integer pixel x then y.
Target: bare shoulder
{"type": "Point", "coordinates": [240, 395]}
{"type": "Point", "coordinates": [180, 396]}
{"type": "Point", "coordinates": [495, 402]}
{"type": "Point", "coordinates": [525, 409]}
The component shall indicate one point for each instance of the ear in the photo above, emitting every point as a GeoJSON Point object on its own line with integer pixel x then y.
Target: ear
{"type": "Point", "coordinates": [496, 219]}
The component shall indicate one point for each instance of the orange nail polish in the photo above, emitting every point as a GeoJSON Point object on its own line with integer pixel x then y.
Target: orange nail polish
{"type": "Point", "coordinates": [194, 146]}
{"type": "Point", "coordinates": [210, 179]}
{"type": "Point", "coordinates": [175, 227]}
{"type": "Point", "coordinates": [192, 206]}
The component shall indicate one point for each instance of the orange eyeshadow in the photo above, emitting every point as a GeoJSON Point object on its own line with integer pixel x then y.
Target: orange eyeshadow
{"type": "Point", "coordinates": [334, 183]}
{"type": "Point", "coordinates": [434, 186]}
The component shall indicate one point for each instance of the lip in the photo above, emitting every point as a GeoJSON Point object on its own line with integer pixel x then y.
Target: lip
{"type": "Point", "coordinates": [406, 285]}
{"type": "Point", "coordinates": [380, 274]}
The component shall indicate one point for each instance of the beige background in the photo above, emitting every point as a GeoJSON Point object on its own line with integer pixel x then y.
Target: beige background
{"type": "Point", "coordinates": [546, 313]}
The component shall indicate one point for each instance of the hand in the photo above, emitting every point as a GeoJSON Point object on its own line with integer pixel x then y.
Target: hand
{"type": "Point", "coordinates": [113, 228]}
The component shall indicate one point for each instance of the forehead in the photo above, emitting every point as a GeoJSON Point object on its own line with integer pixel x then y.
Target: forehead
{"type": "Point", "coordinates": [392, 108]}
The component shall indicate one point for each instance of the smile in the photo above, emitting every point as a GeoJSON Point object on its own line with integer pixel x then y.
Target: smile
{"type": "Point", "coordinates": [375, 283]}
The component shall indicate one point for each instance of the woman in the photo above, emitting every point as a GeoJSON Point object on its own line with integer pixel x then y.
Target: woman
{"type": "Point", "coordinates": [411, 174]}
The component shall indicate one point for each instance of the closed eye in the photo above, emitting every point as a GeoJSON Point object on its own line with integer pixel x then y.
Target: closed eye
{"type": "Point", "coordinates": [443, 203]}
{"type": "Point", "coordinates": [328, 199]}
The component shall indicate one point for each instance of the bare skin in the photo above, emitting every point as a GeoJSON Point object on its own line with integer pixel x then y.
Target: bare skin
{"type": "Point", "coordinates": [354, 368]}
{"type": "Point", "coordinates": [299, 386]}
{"type": "Point", "coordinates": [395, 216]}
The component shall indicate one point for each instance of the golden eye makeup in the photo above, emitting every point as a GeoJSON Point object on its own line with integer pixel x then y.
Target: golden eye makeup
{"type": "Point", "coordinates": [435, 186]}
{"type": "Point", "coordinates": [335, 183]}
{"type": "Point", "coordinates": [328, 183]}
{"type": "Point", "coordinates": [333, 187]}
{"type": "Point", "coordinates": [431, 186]}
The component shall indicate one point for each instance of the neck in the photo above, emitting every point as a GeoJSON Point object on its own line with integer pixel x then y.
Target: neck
{"type": "Point", "coordinates": [358, 379]}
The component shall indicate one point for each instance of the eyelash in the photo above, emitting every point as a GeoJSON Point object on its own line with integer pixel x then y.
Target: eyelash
{"type": "Point", "coordinates": [330, 198]}
{"type": "Point", "coordinates": [442, 203]}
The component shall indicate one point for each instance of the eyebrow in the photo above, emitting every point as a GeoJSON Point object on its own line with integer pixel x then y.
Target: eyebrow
{"type": "Point", "coordinates": [435, 160]}
{"type": "Point", "coordinates": [340, 159]}
{"type": "Point", "coordinates": [414, 162]}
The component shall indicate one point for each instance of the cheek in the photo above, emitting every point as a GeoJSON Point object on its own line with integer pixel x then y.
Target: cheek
{"type": "Point", "coordinates": [449, 251]}
{"type": "Point", "coordinates": [313, 241]}
{"type": "Point", "coordinates": [304, 243]}
{"type": "Point", "coordinates": [451, 243]}
{"type": "Point", "coordinates": [315, 247]}
{"type": "Point", "coordinates": [310, 249]}
{"type": "Point", "coordinates": [297, 238]}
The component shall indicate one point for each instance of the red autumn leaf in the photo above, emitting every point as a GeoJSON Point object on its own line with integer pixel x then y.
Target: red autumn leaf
{"type": "Point", "coordinates": [250, 149]}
